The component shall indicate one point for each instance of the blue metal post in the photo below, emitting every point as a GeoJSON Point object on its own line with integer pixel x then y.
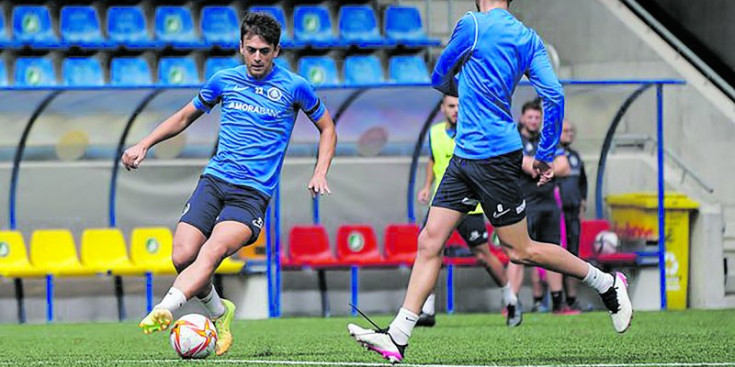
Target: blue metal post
{"type": "Point", "coordinates": [661, 211]}
{"type": "Point", "coordinates": [277, 251]}
{"type": "Point", "coordinates": [269, 261]}
{"type": "Point", "coordinates": [148, 291]}
{"type": "Point", "coordinates": [315, 211]}
{"type": "Point", "coordinates": [450, 289]}
{"type": "Point", "coordinates": [49, 298]}
{"type": "Point", "coordinates": [354, 287]}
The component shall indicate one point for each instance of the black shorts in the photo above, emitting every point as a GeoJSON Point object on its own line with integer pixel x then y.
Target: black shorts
{"type": "Point", "coordinates": [574, 228]}
{"type": "Point", "coordinates": [493, 182]}
{"type": "Point", "coordinates": [472, 229]}
{"type": "Point", "coordinates": [545, 225]}
{"type": "Point", "coordinates": [215, 200]}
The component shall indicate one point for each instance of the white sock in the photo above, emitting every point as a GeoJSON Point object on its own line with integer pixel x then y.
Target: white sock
{"type": "Point", "coordinates": [429, 306]}
{"type": "Point", "coordinates": [509, 297]}
{"type": "Point", "coordinates": [598, 280]}
{"type": "Point", "coordinates": [402, 326]}
{"type": "Point", "coordinates": [173, 300]}
{"type": "Point", "coordinates": [213, 304]}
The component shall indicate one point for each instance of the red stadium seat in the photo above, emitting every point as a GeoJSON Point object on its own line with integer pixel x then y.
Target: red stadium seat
{"type": "Point", "coordinates": [590, 229]}
{"type": "Point", "coordinates": [401, 243]}
{"type": "Point", "coordinates": [308, 246]}
{"type": "Point", "coordinates": [357, 246]}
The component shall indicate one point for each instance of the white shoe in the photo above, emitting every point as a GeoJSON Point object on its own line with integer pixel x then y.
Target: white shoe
{"type": "Point", "coordinates": [378, 341]}
{"type": "Point", "coordinates": [618, 303]}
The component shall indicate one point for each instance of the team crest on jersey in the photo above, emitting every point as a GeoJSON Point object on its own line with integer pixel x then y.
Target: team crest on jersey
{"type": "Point", "coordinates": [274, 94]}
{"type": "Point", "coordinates": [573, 161]}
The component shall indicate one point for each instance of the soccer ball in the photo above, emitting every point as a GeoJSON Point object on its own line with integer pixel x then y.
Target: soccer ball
{"type": "Point", "coordinates": [606, 242]}
{"type": "Point", "coordinates": [193, 336]}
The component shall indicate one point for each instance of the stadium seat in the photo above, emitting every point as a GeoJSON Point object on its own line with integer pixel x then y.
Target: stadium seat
{"type": "Point", "coordinates": [588, 232]}
{"type": "Point", "coordinates": [358, 26]}
{"type": "Point", "coordinates": [401, 243]}
{"type": "Point", "coordinates": [53, 251]}
{"type": "Point", "coordinates": [308, 246]}
{"type": "Point", "coordinates": [403, 25]}
{"type": "Point", "coordinates": [34, 72]}
{"type": "Point", "coordinates": [151, 249]}
{"type": "Point", "coordinates": [408, 70]}
{"type": "Point", "coordinates": [82, 71]}
{"type": "Point", "coordinates": [363, 70]}
{"type": "Point", "coordinates": [104, 250]}
{"type": "Point", "coordinates": [80, 25]}
{"type": "Point", "coordinates": [130, 71]}
{"type": "Point", "coordinates": [32, 25]}
{"type": "Point", "coordinates": [6, 39]}
{"type": "Point", "coordinates": [126, 25]}
{"type": "Point", "coordinates": [313, 25]}
{"type": "Point", "coordinates": [220, 26]}
{"type": "Point", "coordinates": [177, 71]}
{"type": "Point", "coordinates": [357, 246]}
{"type": "Point", "coordinates": [319, 70]}
{"type": "Point", "coordinates": [174, 26]}
{"type": "Point", "coordinates": [215, 64]}
{"type": "Point", "coordinates": [3, 74]}
{"type": "Point", "coordinates": [283, 62]}
{"type": "Point", "coordinates": [14, 258]}
{"type": "Point", "coordinates": [276, 12]}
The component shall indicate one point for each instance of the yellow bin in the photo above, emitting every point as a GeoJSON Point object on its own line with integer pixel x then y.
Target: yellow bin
{"type": "Point", "coordinates": [635, 217]}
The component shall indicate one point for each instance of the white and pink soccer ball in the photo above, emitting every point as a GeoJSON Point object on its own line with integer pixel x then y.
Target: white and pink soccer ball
{"type": "Point", "coordinates": [193, 336]}
{"type": "Point", "coordinates": [606, 242]}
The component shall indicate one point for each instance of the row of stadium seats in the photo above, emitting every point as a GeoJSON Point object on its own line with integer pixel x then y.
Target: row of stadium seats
{"type": "Point", "coordinates": [135, 71]}
{"type": "Point", "coordinates": [126, 26]}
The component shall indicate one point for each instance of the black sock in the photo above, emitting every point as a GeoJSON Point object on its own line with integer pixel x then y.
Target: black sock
{"type": "Point", "coordinates": [571, 300]}
{"type": "Point", "coordinates": [556, 300]}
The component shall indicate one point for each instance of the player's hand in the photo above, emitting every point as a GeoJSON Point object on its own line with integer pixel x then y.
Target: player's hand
{"type": "Point", "coordinates": [133, 156]}
{"type": "Point", "coordinates": [318, 186]}
{"type": "Point", "coordinates": [544, 170]}
{"type": "Point", "coordinates": [424, 194]}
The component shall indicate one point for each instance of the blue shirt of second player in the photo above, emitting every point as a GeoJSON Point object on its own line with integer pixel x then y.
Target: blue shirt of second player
{"type": "Point", "coordinates": [258, 117]}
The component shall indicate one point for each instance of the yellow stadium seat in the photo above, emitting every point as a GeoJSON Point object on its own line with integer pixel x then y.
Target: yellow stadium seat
{"type": "Point", "coordinates": [53, 251]}
{"type": "Point", "coordinates": [103, 249]}
{"type": "Point", "coordinates": [14, 258]}
{"type": "Point", "coordinates": [230, 266]}
{"type": "Point", "coordinates": [150, 249]}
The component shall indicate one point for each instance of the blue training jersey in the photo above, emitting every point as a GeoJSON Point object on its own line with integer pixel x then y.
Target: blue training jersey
{"type": "Point", "coordinates": [258, 117]}
{"type": "Point", "coordinates": [485, 59]}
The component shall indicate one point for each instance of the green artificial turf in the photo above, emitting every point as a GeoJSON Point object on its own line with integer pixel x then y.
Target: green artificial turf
{"type": "Point", "coordinates": [478, 339]}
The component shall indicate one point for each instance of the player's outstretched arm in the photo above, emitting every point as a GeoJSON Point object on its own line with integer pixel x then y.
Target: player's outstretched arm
{"type": "Point", "coordinates": [171, 127]}
{"type": "Point", "coordinates": [327, 144]}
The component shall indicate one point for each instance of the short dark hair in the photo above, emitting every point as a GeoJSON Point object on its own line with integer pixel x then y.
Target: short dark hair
{"type": "Point", "coordinates": [263, 25]}
{"type": "Point", "coordinates": [532, 105]}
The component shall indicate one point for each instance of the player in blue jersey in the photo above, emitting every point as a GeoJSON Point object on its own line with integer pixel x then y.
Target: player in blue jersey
{"type": "Point", "coordinates": [260, 101]}
{"type": "Point", "coordinates": [488, 54]}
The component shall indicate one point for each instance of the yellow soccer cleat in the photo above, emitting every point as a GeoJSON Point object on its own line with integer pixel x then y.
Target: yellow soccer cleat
{"type": "Point", "coordinates": [222, 324]}
{"type": "Point", "coordinates": [159, 319]}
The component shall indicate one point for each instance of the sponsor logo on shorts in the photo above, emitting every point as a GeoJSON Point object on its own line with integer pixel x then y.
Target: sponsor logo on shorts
{"type": "Point", "coordinates": [474, 235]}
{"type": "Point", "coordinates": [258, 223]}
{"type": "Point", "coordinates": [186, 209]}
{"type": "Point", "coordinates": [521, 208]}
{"type": "Point", "coordinates": [470, 202]}
{"type": "Point", "coordinates": [499, 212]}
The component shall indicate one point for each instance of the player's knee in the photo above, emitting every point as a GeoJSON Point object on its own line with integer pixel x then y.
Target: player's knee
{"type": "Point", "coordinates": [429, 244]}
{"type": "Point", "coordinates": [182, 259]}
{"type": "Point", "coordinates": [525, 255]}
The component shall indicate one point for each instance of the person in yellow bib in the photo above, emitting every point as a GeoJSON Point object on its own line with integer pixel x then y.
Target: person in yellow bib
{"type": "Point", "coordinates": [472, 228]}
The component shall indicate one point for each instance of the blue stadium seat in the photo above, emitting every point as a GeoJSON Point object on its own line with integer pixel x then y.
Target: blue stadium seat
{"type": "Point", "coordinates": [3, 74]}
{"type": "Point", "coordinates": [215, 64]}
{"type": "Point", "coordinates": [277, 12]}
{"type": "Point", "coordinates": [34, 72]}
{"type": "Point", "coordinates": [32, 24]}
{"type": "Point", "coordinates": [313, 25]}
{"type": "Point", "coordinates": [283, 62]}
{"type": "Point", "coordinates": [80, 25]}
{"type": "Point", "coordinates": [408, 70]}
{"type": "Point", "coordinates": [358, 25]}
{"type": "Point", "coordinates": [174, 25]}
{"type": "Point", "coordinates": [6, 39]}
{"type": "Point", "coordinates": [177, 71]}
{"type": "Point", "coordinates": [319, 70]}
{"type": "Point", "coordinates": [82, 71]}
{"type": "Point", "coordinates": [130, 71]}
{"type": "Point", "coordinates": [403, 25]}
{"type": "Point", "coordinates": [220, 26]}
{"type": "Point", "coordinates": [363, 70]}
{"type": "Point", "coordinates": [126, 25]}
